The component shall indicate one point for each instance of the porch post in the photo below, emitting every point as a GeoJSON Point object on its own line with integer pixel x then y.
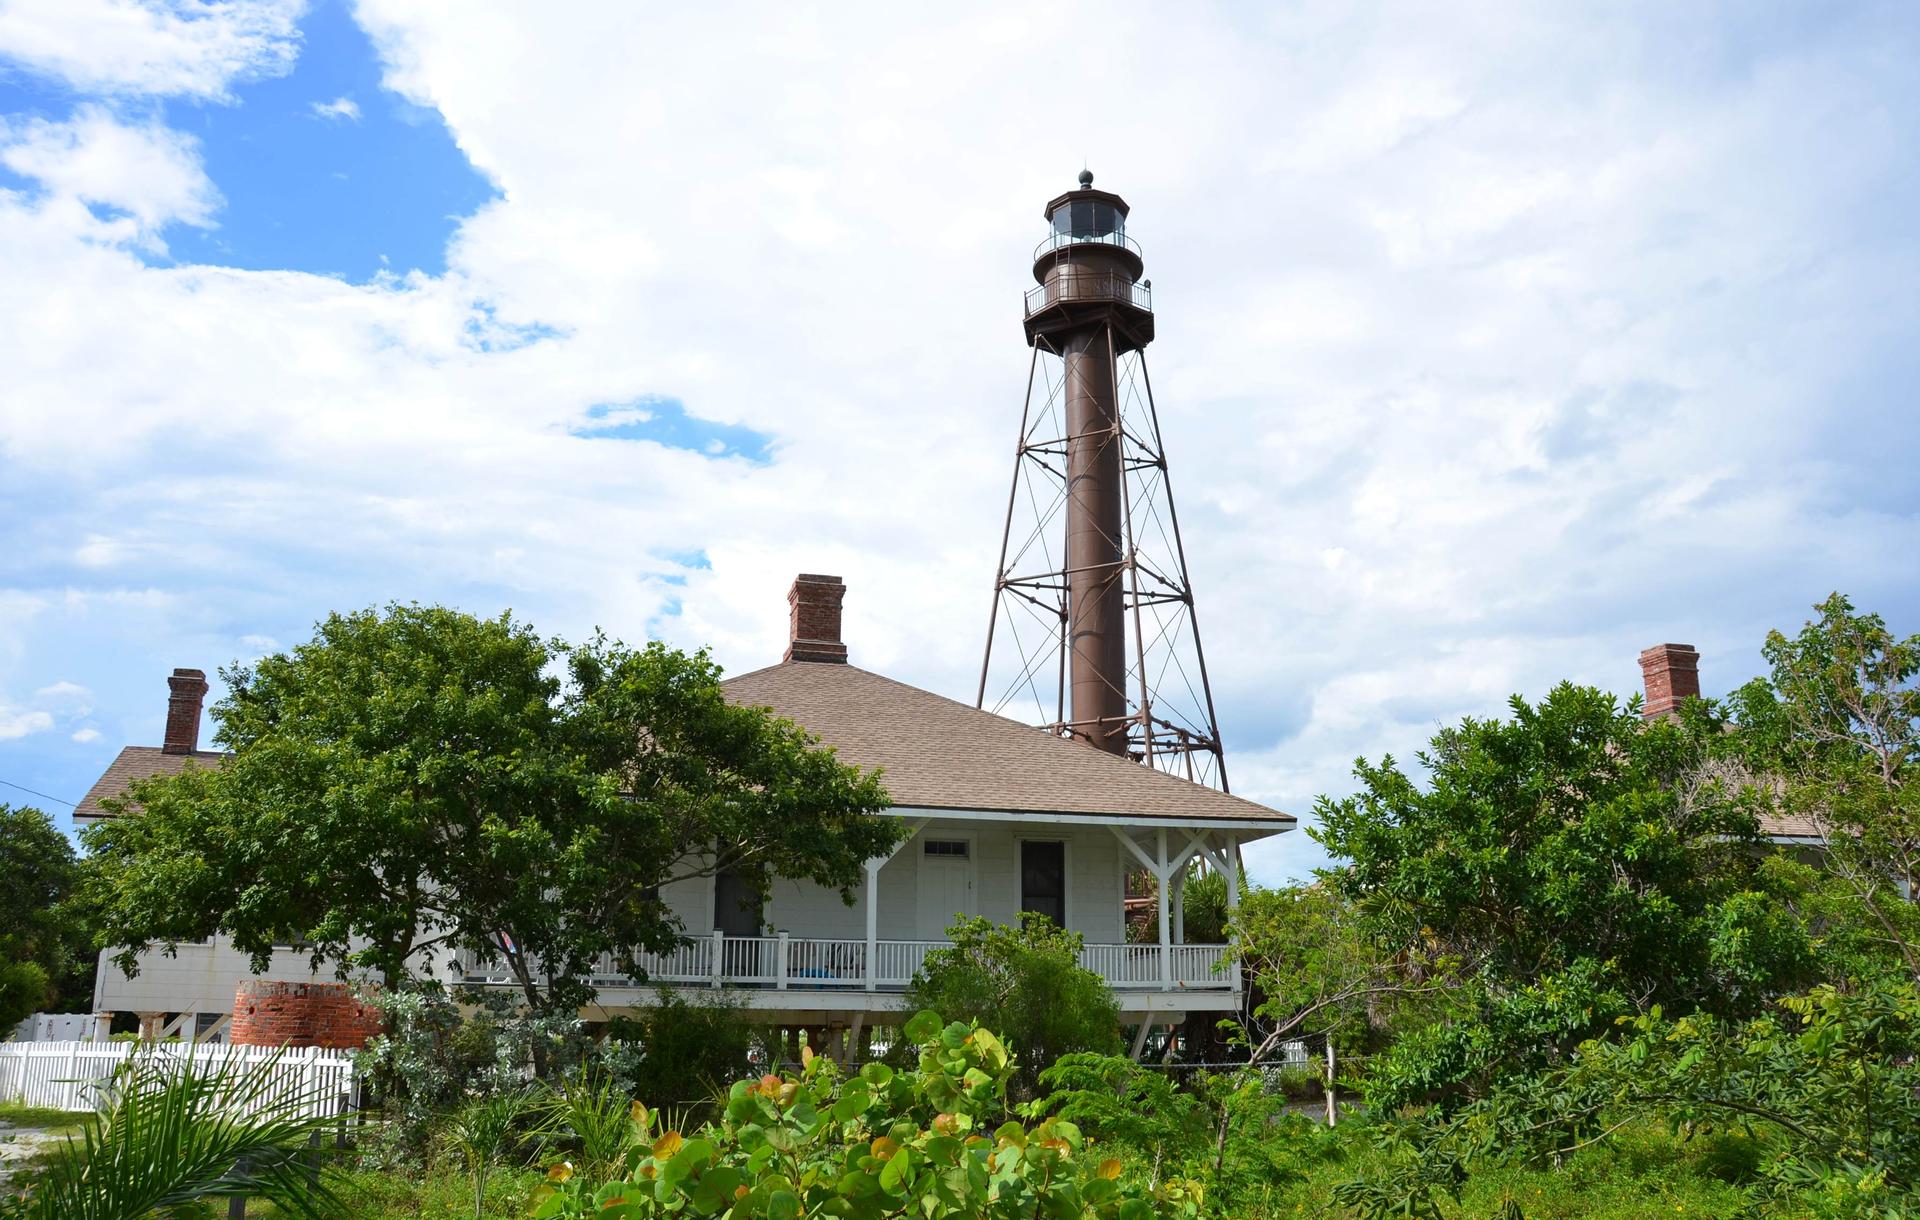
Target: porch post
{"type": "Point", "coordinates": [873, 917]}
{"type": "Point", "coordinates": [1180, 906]}
{"type": "Point", "coordinates": [1165, 879]}
{"type": "Point", "coordinates": [1231, 856]}
{"type": "Point", "coordinates": [874, 865]}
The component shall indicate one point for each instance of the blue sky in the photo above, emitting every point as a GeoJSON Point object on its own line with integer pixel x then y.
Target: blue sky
{"type": "Point", "coordinates": [319, 170]}
{"type": "Point", "coordinates": [1493, 345]}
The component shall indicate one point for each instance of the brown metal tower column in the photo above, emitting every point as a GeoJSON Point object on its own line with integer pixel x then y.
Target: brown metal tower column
{"type": "Point", "coordinates": [1121, 666]}
{"type": "Point", "coordinates": [1096, 606]}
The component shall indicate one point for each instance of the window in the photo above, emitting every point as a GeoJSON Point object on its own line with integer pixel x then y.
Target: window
{"type": "Point", "coordinates": [1043, 879]}
{"type": "Point", "coordinates": [951, 848]}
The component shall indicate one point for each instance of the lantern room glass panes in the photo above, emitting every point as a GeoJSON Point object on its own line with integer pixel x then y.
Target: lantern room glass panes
{"type": "Point", "coordinates": [1090, 220]}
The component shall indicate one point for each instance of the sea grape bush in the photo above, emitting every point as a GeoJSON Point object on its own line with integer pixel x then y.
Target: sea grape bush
{"type": "Point", "coordinates": [1229, 1131]}
{"type": "Point", "coordinates": [1826, 1083]}
{"type": "Point", "coordinates": [935, 1140]}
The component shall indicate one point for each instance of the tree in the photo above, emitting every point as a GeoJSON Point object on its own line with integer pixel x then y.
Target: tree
{"type": "Point", "coordinates": [1832, 737]}
{"type": "Point", "coordinates": [1313, 966]}
{"type": "Point", "coordinates": [1026, 982]}
{"type": "Point", "coordinates": [1568, 864]}
{"type": "Point", "coordinates": [416, 781]}
{"type": "Point", "coordinates": [44, 944]}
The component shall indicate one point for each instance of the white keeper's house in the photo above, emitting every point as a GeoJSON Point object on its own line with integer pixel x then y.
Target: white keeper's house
{"type": "Point", "coordinates": [1005, 818]}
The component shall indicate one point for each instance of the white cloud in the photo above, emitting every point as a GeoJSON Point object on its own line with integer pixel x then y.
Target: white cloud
{"type": "Point", "coordinates": [146, 173]}
{"type": "Point", "coordinates": [69, 699]}
{"type": "Point", "coordinates": [86, 736]}
{"type": "Point", "coordinates": [337, 110]}
{"type": "Point", "coordinates": [1492, 348]}
{"type": "Point", "coordinates": [15, 722]}
{"type": "Point", "coordinates": [196, 48]}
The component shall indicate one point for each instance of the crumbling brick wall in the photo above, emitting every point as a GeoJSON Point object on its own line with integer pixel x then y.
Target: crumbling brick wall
{"type": "Point", "coordinates": [268, 1013]}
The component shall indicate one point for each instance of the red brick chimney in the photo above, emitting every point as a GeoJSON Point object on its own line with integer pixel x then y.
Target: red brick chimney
{"type": "Point", "coordinates": [189, 687]}
{"type": "Point", "coordinates": [816, 619]}
{"type": "Point", "coordinates": [1672, 674]}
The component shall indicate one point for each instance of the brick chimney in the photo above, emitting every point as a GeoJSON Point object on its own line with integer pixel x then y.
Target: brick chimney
{"type": "Point", "coordinates": [189, 692]}
{"type": "Point", "coordinates": [1672, 674]}
{"type": "Point", "coordinates": [816, 619]}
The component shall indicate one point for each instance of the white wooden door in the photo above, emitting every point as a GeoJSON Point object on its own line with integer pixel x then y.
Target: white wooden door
{"type": "Point", "coordinates": [946, 886]}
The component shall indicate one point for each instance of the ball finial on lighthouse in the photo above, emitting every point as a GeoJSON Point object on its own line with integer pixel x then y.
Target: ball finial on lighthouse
{"type": "Point", "coordinates": [1086, 179]}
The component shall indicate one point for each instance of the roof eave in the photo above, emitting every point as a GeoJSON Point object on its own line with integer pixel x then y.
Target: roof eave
{"type": "Point", "coordinates": [1278, 824]}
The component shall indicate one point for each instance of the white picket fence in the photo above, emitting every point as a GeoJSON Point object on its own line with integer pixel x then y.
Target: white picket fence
{"type": "Point", "coordinates": [69, 1075]}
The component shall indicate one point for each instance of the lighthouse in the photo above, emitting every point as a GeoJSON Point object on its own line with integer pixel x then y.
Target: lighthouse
{"type": "Point", "coordinates": [1091, 551]}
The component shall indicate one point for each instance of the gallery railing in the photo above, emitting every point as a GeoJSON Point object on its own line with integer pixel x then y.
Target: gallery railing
{"type": "Point", "coordinates": [788, 962]}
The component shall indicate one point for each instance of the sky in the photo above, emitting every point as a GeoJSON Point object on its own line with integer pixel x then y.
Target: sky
{"type": "Point", "coordinates": [1495, 343]}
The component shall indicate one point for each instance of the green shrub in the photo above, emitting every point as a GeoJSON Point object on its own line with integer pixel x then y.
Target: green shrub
{"type": "Point", "coordinates": [1027, 983]}
{"type": "Point", "coordinates": [590, 1115]}
{"type": "Point", "coordinates": [1811, 1109]}
{"type": "Point", "coordinates": [937, 1140]}
{"type": "Point", "coordinates": [1229, 1132]}
{"type": "Point", "coordinates": [438, 1055]}
{"type": "Point", "coordinates": [683, 1051]}
{"type": "Point", "coordinates": [490, 1131]}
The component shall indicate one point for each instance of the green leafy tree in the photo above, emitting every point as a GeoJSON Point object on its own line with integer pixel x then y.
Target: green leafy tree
{"type": "Point", "coordinates": [1312, 964]}
{"type": "Point", "coordinates": [936, 1140]}
{"type": "Point", "coordinates": [1831, 738]}
{"type": "Point", "coordinates": [45, 949]}
{"type": "Point", "coordinates": [1026, 981]}
{"type": "Point", "coordinates": [415, 780]}
{"type": "Point", "coordinates": [1567, 862]}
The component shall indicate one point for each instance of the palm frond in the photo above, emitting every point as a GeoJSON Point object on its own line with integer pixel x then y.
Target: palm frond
{"type": "Point", "coordinates": [596, 1118]}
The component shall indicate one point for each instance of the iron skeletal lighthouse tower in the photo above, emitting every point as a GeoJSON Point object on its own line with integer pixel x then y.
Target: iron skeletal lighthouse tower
{"type": "Point", "coordinates": [1093, 632]}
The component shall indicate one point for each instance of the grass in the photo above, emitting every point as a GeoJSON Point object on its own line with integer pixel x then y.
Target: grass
{"type": "Point", "coordinates": [434, 1196]}
{"type": "Point", "coordinates": [14, 1114]}
{"type": "Point", "coordinates": [1644, 1171]}
{"type": "Point", "coordinates": [46, 1128]}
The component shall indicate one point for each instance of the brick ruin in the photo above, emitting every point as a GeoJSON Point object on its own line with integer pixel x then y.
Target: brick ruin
{"type": "Point", "coordinates": [269, 1013]}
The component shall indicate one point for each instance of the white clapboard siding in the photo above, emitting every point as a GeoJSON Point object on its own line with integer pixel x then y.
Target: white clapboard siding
{"type": "Point", "coordinates": [69, 1075]}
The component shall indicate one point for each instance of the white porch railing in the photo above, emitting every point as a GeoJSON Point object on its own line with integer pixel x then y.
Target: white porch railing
{"type": "Point", "coordinates": [786, 962]}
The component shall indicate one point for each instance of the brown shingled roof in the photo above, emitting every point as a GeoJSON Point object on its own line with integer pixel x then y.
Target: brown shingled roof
{"type": "Point", "coordinates": [1790, 826]}
{"type": "Point", "coordinates": [938, 754]}
{"type": "Point", "coordinates": [136, 762]}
